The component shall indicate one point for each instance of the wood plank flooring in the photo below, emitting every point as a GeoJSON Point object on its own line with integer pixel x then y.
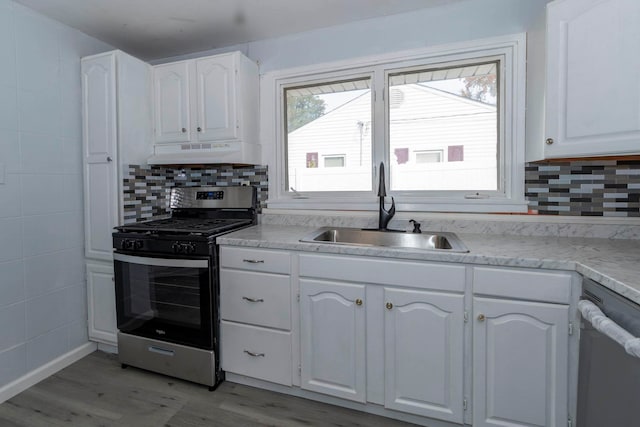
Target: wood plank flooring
{"type": "Point", "coordinates": [95, 392]}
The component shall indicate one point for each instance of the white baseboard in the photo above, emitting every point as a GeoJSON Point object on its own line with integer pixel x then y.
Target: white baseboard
{"type": "Point", "coordinates": [44, 371]}
{"type": "Point", "coordinates": [108, 348]}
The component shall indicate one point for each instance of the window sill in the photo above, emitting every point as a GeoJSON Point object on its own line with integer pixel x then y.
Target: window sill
{"type": "Point", "coordinates": [442, 205]}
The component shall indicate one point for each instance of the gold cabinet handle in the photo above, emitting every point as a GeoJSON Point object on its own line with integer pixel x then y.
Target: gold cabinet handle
{"type": "Point", "coordinates": [252, 354]}
{"type": "Point", "coordinates": [253, 299]}
{"type": "Point", "coordinates": [481, 317]}
{"type": "Point", "coordinates": [389, 306]}
{"type": "Point", "coordinates": [358, 302]}
{"type": "Point", "coordinates": [549, 141]}
{"type": "Point", "coordinates": [254, 261]}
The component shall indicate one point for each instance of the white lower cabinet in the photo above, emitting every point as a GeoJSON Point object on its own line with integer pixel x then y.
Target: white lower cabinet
{"type": "Point", "coordinates": [256, 352]}
{"type": "Point", "coordinates": [332, 337]}
{"type": "Point", "coordinates": [520, 363]}
{"type": "Point", "coordinates": [423, 342]}
{"type": "Point", "coordinates": [255, 308]}
{"type": "Point", "coordinates": [388, 332]}
{"type": "Point", "coordinates": [397, 336]}
{"type": "Point", "coordinates": [101, 296]}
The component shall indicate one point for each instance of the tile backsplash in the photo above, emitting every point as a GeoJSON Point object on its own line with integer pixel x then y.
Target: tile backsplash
{"type": "Point", "coordinates": [146, 188]}
{"type": "Point", "coordinates": [609, 188]}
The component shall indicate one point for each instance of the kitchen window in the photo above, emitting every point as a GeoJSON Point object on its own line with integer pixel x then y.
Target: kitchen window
{"type": "Point", "coordinates": [447, 123]}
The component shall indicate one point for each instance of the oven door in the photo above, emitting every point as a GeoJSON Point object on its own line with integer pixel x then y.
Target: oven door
{"type": "Point", "coordinates": [169, 299]}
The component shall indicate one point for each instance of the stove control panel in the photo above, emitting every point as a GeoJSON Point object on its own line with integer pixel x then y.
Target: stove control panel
{"type": "Point", "coordinates": [131, 244]}
{"type": "Point", "coordinates": [209, 195]}
{"type": "Point", "coordinates": [183, 247]}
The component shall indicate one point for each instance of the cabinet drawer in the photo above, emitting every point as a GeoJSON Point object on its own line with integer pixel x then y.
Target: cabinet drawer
{"type": "Point", "coordinates": [256, 352]}
{"type": "Point", "coordinates": [262, 299]}
{"type": "Point", "coordinates": [445, 277]}
{"type": "Point", "coordinates": [535, 285]}
{"type": "Point", "coordinates": [255, 259]}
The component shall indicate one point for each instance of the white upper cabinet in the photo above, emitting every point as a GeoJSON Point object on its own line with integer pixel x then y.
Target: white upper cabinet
{"type": "Point", "coordinates": [116, 125]}
{"type": "Point", "coordinates": [593, 78]}
{"type": "Point", "coordinates": [216, 97]}
{"type": "Point", "coordinates": [206, 111]}
{"type": "Point", "coordinates": [100, 149]}
{"type": "Point", "coordinates": [171, 92]}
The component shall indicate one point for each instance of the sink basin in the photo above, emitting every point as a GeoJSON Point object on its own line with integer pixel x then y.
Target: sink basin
{"type": "Point", "coordinates": [448, 242]}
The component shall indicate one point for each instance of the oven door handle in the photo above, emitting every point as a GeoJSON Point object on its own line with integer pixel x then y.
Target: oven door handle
{"type": "Point", "coordinates": [591, 313]}
{"type": "Point", "coordinates": [162, 262]}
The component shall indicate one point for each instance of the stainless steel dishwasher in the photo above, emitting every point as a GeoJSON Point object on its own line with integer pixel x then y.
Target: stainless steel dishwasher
{"type": "Point", "coordinates": [609, 370]}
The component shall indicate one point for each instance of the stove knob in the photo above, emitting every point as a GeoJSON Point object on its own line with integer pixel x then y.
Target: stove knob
{"type": "Point", "coordinates": [176, 247]}
{"type": "Point", "coordinates": [129, 244]}
{"type": "Point", "coordinates": [123, 244]}
{"type": "Point", "coordinates": [138, 244]}
{"type": "Point", "coordinates": [190, 248]}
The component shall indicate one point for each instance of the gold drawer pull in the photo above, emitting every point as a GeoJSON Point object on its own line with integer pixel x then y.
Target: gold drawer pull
{"type": "Point", "coordinates": [358, 301]}
{"type": "Point", "coordinates": [254, 261]}
{"type": "Point", "coordinates": [253, 299]}
{"type": "Point", "coordinates": [389, 306]}
{"type": "Point", "coordinates": [252, 354]}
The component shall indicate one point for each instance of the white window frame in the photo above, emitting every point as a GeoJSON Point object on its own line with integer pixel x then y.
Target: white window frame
{"type": "Point", "coordinates": [510, 50]}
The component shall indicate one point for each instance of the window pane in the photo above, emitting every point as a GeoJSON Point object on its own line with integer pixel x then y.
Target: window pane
{"type": "Point", "coordinates": [334, 162]}
{"type": "Point", "coordinates": [322, 120]}
{"type": "Point", "coordinates": [449, 119]}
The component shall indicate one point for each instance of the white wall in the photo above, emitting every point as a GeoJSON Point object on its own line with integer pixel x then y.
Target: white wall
{"type": "Point", "coordinates": [461, 21]}
{"type": "Point", "coordinates": [42, 284]}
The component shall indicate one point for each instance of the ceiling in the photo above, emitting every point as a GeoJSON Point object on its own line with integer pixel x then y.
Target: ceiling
{"type": "Point", "coordinates": [153, 29]}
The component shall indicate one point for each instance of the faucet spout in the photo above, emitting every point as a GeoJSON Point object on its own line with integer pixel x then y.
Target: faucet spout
{"type": "Point", "coordinates": [384, 215]}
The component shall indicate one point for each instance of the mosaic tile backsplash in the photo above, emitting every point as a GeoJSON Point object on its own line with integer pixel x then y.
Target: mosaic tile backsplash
{"type": "Point", "coordinates": [147, 188]}
{"type": "Point", "coordinates": [608, 188]}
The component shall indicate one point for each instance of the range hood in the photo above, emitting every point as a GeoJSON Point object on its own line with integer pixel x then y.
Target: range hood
{"type": "Point", "coordinates": [234, 152]}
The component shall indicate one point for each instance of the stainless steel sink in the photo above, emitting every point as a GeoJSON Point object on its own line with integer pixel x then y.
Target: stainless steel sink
{"type": "Point", "coordinates": [448, 242]}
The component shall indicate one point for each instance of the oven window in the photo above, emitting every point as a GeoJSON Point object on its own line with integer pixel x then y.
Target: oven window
{"type": "Point", "coordinates": [168, 294]}
{"type": "Point", "coordinates": [166, 299]}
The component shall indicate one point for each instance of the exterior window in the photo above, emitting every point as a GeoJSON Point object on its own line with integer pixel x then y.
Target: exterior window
{"type": "Point", "coordinates": [334, 161]}
{"type": "Point", "coordinates": [443, 107]}
{"type": "Point", "coordinates": [327, 117]}
{"type": "Point", "coordinates": [433, 156]}
{"type": "Point", "coordinates": [446, 122]}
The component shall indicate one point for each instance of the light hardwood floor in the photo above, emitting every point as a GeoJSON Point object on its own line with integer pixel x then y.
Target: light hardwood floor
{"type": "Point", "coordinates": [95, 391]}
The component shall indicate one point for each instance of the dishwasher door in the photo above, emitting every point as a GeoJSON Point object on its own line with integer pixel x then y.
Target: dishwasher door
{"type": "Point", "coordinates": [609, 377]}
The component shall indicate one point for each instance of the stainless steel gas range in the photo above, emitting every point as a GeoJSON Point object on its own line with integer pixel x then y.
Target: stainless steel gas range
{"type": "Point", "coordinates": [167, 286]}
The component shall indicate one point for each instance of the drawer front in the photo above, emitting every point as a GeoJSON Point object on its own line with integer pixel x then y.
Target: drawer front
{"type": "Point", "coordinates": [445, 277]}
{"type": "Point", "coordinates": [261, 299]}
{"type": "Point", "coordinates": [256, 352]}
{"type": "Point", "coordinates": [525, 284]}
{"type": "Point", "coordinates": [255, 259]}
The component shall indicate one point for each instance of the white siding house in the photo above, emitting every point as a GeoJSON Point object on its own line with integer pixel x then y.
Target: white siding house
{"type": "Point", "coordinates": [455, 135]}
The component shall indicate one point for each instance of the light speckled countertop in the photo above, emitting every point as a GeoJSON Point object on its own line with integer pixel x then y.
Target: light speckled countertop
{"type": "Point", "coordinates": [613, 263]}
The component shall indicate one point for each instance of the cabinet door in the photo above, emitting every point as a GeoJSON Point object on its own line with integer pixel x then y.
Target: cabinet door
{"type": "Point", "coordinates": [216, 98]}
{"type": "Point", "coordinates": [171, 99]}
{"type": "Point", "coordinates": [332, 338]}
{"type": "Point", "coordinates": [101, 297]}
{"type": "Point", "coordinates": [593, 78]}
{"type": "Point", "coordinates": [424, 339]}
{"type": "Point", "coordinates": [520, 352]}
{"type": "Point", "coordinates": [99, 150]}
